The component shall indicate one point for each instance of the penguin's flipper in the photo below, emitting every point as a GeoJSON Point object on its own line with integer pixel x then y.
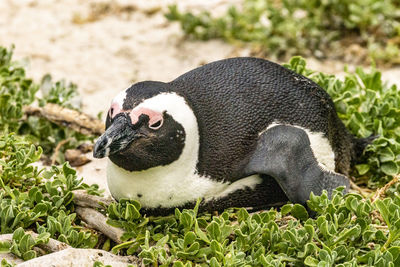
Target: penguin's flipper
{"type": "Point", "coordinates": [284, 152]}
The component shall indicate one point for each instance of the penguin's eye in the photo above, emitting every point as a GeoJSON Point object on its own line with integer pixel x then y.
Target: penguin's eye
{"type": "Point", "coordinates": [156, 125]}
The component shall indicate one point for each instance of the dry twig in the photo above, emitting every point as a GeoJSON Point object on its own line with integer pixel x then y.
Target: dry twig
{"type": "Point", "coordinates": [363, 191]}
{"type": "Point", "coordinates": [83, 199]}
{"type": "Point", "coordinates": [80, 257]}
{"type": "Point", "coordinates": [73, 119]}
{"type": "Point", "coordinates": [381, 191]}
{"type": "Point", "coordinates": [98, 221]}
{"type": "Point", "coordinates": [64, 255]}
{"type": "Point", "coordinates": [86, 210]}
{"type": "Point", "coordinates": [57, 150]}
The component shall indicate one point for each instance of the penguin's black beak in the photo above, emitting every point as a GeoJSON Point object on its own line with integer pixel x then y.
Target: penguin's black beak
{"type": "Point", "coordinates": [116, 138]}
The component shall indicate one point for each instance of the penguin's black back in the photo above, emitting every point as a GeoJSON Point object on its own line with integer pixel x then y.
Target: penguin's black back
{"type": "Point", "coordinates": [236, 99]}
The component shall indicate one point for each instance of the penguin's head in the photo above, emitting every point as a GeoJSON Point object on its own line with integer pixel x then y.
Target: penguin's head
{"type": "Point", "coordinates": [145, 127]}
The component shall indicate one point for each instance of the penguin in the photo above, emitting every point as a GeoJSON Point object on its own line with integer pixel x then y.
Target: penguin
{"type": "Point", "coordinates": [238, 132]}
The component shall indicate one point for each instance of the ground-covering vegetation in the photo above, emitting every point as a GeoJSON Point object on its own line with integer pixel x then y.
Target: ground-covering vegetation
{"type": "Point", "coordinates": [345, 230]}
{"type": "Point", "coordinates": [37, 199]}
{"type": "Point", "coordinates": [17, 91]}
{"type": "Point", "coordinates": [362, 29]}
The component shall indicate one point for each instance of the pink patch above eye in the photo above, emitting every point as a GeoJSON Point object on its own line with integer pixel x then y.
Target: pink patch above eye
{"type": "Point", "coordinates": [114, 110]}
{"type": "Point", "coordinates": [154, 116]}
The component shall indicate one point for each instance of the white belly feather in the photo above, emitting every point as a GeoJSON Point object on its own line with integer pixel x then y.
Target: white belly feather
{"type": "Point", "coordinates": [167, 186]}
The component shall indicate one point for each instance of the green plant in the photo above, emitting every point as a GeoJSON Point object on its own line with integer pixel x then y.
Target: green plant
{"type": "Point", "coordinates": [5, 263]}
{"type": "Point", "coordinates": [16, 158]}
{"type": "Point", "coordinates": [38, 199]}
{"type": "Point", "coordinates": [344, 232]}
{"type": "Point", "coordinates": [22, 244]}
{"type": "Point", "coordinates": [17, 91]}
{"type": "Point", "coordinates": [301, 27]}
{"type": "Point", "coordinates": [65, 95]}
{"type": "Point", "coordinates": [100, 264]}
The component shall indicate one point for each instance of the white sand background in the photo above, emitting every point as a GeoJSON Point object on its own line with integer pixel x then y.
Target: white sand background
{"type": "Point", "coordinates": [106, 56]}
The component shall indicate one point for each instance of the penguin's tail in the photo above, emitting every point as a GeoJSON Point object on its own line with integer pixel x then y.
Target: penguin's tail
{"type": "Point", "coordinates": [360, 144]}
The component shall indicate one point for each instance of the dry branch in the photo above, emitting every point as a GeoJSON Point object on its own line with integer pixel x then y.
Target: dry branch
{"type": "Point", "coordinates": [83, 199]}
{"type": "Point", "coordinates": [98, 221]}
{"type": "Point", "coordinates": [86, 205]}
{"type": "Point", "coordinates": [80, 257]}
{"type": "Point", "coordinates": [64, 255]}
{"type": "Point", "coordinates": [70, 118]}
{"type": "Point", "coordinates": [363, 191]}
{"type": "Point", "coordinates": [381, 191]}
{"type": "Point", "coordinates": [57, 150]}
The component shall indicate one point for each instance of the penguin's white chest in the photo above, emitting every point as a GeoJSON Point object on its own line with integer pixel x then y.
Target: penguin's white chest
{"type": "Point", "coordinates": [169, 186]}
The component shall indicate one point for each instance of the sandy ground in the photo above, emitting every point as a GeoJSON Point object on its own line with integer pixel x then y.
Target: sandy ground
{"type": "Point", "coordinates": [106, 51]}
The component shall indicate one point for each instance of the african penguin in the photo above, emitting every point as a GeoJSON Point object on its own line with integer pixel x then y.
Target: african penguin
{"type": "Point", "coordinates": [239, 132]}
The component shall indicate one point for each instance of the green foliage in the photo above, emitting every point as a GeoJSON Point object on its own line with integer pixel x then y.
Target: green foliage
{"type": "Point", "coordinates": [60, 93]}
{"type": "Point", "coordinates": [367, 106]}
{"type": "Point", "coordinates": [344, 232]}
{"type": "Point", "coordinates": [40, 200]}
{"type": "Point", "coordinates": [100, 264]}
{"type": "Point", "coordinates": [338, 231]}
{"type": "Point", "coordinates": [22, 244]}
{"type": "Point", "coordinates": [16, 158]}
{"type": "Point", "coordinates": [17, 91]}
{"type": "Point", "coordinates": [303, 27]}
{"type": "Point", "coordinates": [5, 263]}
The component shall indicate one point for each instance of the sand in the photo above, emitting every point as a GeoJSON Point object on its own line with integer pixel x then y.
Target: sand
{"type": "Point", "coordinates": [105, 52]}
